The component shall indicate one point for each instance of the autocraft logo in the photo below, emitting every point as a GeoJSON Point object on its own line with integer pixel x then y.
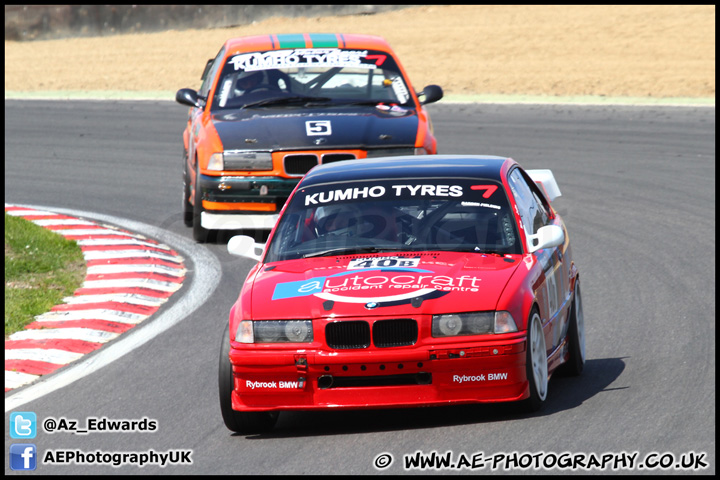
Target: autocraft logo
{"type": "Point", "coordinates": [384, 286]}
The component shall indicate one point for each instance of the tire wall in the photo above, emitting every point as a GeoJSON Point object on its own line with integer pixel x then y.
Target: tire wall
{"type": "Point", "coordinates": [45, 22]}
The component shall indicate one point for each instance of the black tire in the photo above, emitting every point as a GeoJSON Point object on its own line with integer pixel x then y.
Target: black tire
{"type": "Point", "coordinates": [536, 363]}
{"type": "Point", "coordinates": [187, 207]}
{"type": "Point", "coordinates": [200, 234]}
{"type": "Point", "coordinates": [239, 422]}
{"type": "Point", "coordinates": [576, 336]}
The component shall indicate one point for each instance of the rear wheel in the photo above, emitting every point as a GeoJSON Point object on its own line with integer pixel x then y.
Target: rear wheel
{"type": "Point", "coordinates": [536, 363]}
{"type": "Point", "coordinates": [239, 422]}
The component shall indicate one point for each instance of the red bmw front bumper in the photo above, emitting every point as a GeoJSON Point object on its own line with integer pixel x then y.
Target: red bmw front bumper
{"type": "Point", "coordinates": [279, 379]}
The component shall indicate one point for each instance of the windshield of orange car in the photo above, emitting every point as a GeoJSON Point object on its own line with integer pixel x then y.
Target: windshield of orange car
{"type": "Point", "coordinates": [330, 75]}
{"type": "Point", "coordinates": [467, 215]}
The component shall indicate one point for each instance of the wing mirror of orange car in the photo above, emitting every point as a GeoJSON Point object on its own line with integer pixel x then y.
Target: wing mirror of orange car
{"type": "Point", "coordinates": [546, 237]}
{"type": "Point", "coordinates": [244, 246]}
{"type": "Point", "coordinates": [431, 94]}
{"type": "Point", "coordinates": [187, 96]}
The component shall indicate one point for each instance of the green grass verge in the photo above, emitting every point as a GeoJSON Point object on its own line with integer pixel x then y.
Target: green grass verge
{"type": "Point", "coordinates": [41, 267]}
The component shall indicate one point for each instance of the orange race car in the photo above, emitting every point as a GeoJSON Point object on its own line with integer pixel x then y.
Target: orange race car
{"type": "Point", "coordinates": [271, 107]}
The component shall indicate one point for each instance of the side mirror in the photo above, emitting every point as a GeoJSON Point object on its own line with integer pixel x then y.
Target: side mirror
{"type": "Point", "coordinates": [244, 246]}
{"type": "Point", "coordinates": [432, 93]}
{"type": "Point", "coordinates": [546, 237]}
{"type": "Point", "coordinates": [187, 96]}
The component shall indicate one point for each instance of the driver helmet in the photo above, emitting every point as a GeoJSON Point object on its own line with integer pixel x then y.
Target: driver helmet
{"type": "Point", "coordinates": [248, 80]}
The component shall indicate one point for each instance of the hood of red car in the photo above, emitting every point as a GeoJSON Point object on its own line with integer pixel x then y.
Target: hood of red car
{"type": "Point", "coordinates": [362, 285]}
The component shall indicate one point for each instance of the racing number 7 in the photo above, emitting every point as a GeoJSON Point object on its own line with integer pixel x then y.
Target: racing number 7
{"type": "Point", "coordinates": [489, 189]}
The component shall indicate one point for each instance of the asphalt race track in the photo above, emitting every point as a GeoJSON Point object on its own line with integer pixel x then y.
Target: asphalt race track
{"type": "Point", "coordinates": [638, 187]}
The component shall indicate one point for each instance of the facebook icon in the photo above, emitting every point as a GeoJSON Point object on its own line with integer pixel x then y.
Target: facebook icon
{"type": "Point", "coordinates": [23, 456]}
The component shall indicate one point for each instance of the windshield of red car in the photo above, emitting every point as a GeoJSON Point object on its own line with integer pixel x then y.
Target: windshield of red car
{"type": "Point", "coordinates": [469, 215]}
{"type": "Point", "coordinates": [333, 74]}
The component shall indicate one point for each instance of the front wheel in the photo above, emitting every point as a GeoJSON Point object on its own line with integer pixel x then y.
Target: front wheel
{"type": "Point", "coordinates": [576, 336]}
{"type": "Point", "coordinates": [239, 422]}
{"type": "Point", "coordinates": [187, 207]}
{"type": "Point", "coordinates": [536, 363]}
{"type": "Point", "coordinates": [200, 234]}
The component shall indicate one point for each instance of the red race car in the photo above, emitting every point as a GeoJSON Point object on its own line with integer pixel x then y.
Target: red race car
{"type": "Point", "coordinates": [271, 107]}
{"type": "Point", "coordinates": [404, 281]}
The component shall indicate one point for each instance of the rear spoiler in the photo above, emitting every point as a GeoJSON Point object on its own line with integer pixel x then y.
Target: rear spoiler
{"type": "Point", "coordinates": [546, 181]}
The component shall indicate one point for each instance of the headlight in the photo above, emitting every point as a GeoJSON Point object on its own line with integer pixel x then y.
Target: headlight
{"type": "Point", "coordinates": [274, 331]}
{"type": "Point", "coordinates": [240, 160]}
{"type": "Point", "coordinates": [476, 323]}
{"type": "Point", "coordinates": [247, 160]}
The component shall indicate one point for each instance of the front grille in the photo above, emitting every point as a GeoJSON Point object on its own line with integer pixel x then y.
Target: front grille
{"type": "Point", "coordinates": [395, 333]}
{"type": "Point", "coordinates": [299, 164]}
{"type": "Point", "coordinates": [337, 157]}
{"type": "Point", "coordinates": [344, 335]}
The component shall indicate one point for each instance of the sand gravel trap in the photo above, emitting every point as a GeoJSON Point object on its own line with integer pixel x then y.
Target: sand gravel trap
{"type": "Point", "coordinates": [613, 51]}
